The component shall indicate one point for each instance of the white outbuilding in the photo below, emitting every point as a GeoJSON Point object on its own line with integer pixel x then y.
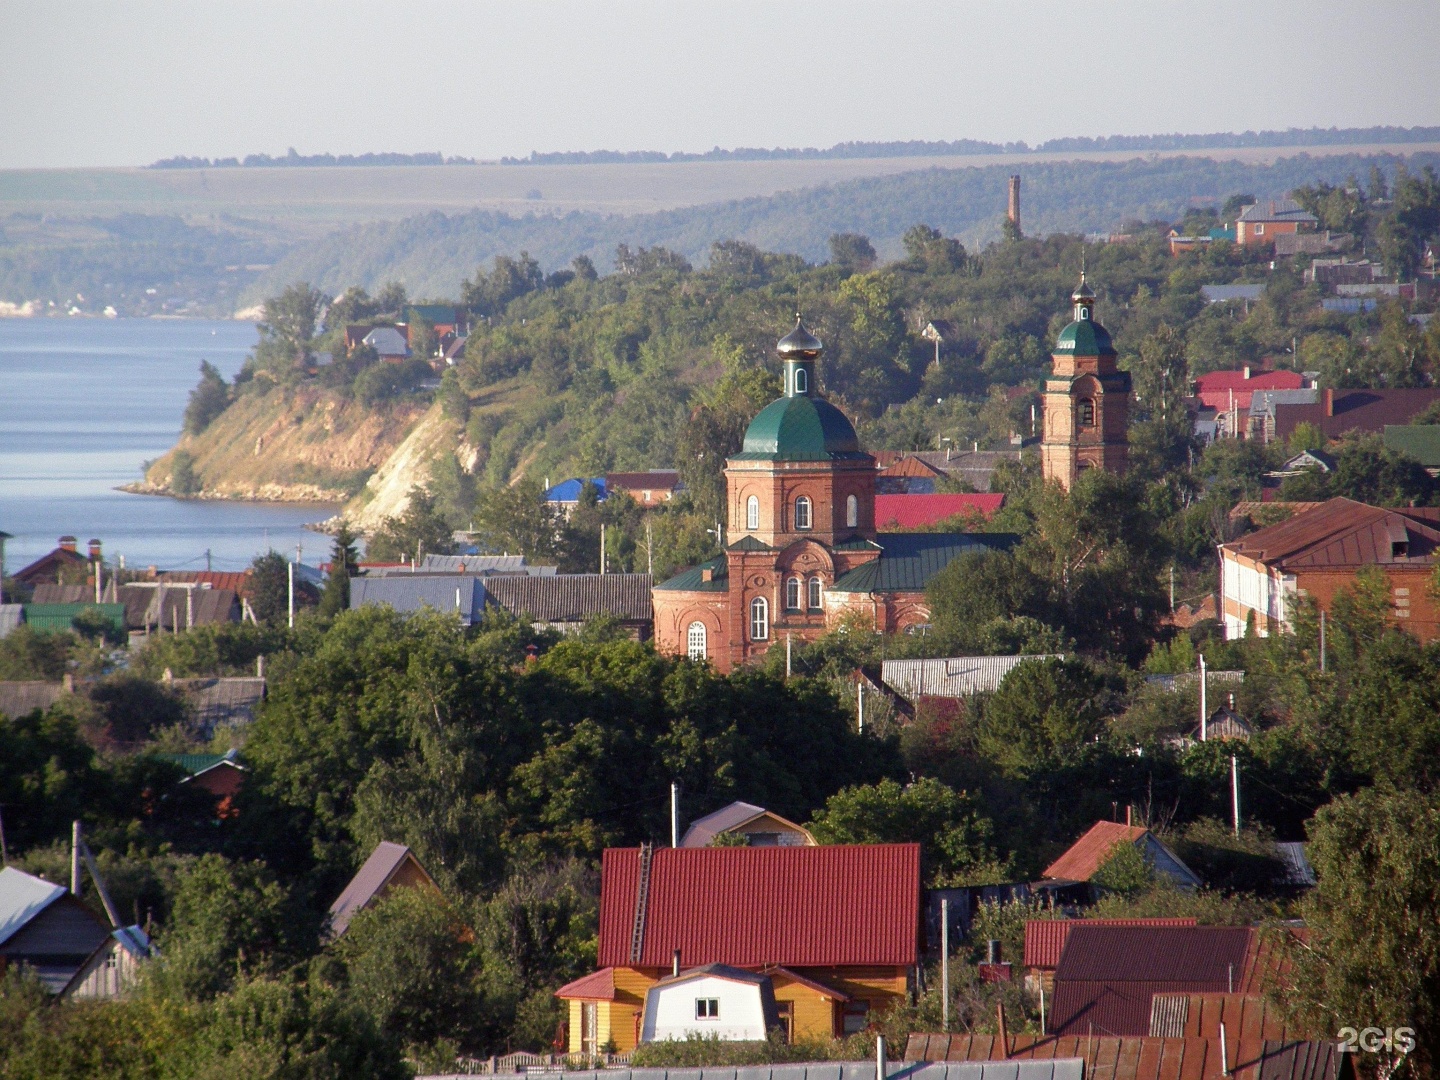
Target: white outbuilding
{"type": "Point", "coordinates": [716, 1000]}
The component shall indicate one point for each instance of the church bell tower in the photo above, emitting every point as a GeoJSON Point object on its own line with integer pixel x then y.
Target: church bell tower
{"type": "Point", "coordinates": [1087, 399]}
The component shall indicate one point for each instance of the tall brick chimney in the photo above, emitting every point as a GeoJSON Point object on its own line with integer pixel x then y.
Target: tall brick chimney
{"type": "Point", "coordinates": [1329, 402]}
{"type": "Point", "coordinates": [94, 546]}
{"type": "Point", "coordinates": [1013, 210]}
{"type": "Point", "coordinates": [67, 543]}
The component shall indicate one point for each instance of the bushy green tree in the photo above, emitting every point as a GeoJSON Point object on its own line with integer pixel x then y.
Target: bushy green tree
{"type": "Point", "coordinates": [344, 563]}
{"type": "Point", "coordinates": [1044, 716]}
{"type": "Point", "coordinates": [208, 400]}
{"type": "Point", "coordinates": [418, 531]}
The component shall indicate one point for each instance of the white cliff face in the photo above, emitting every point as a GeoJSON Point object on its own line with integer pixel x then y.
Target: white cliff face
{"type": "Point", "coordinates": [387, 493]}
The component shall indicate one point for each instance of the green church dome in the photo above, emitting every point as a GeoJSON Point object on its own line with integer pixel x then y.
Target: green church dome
{"type": "Point", "coordinates": [1085, 337]}
{"type": "Point", "coordinates": [800, 428]}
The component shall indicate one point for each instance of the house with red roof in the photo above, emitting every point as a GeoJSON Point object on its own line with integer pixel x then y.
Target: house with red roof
{"type": "Point", "coordinates": [834, 929]}
{"type": "Point", "coordinates": [1230, 394]}
{"type": "Point", "coordinates": [1086, 856]}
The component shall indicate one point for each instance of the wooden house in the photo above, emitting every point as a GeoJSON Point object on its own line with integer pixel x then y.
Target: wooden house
{"type": "Point", "coordinates": [46, 928]}
{"type": "Point", "coordinates": [111, 969]}
{"type": "Point", "coordinates": [390, 866]}
{"type": "Point", "coordinates": [62, 561]}
{"type": "Point", "coordinates": [835, 928]}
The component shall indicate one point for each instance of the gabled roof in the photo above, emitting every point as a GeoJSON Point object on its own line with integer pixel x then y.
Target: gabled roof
{"type": "Point", "coordinates": [917, 511]}
{"type": "Point", "coordinates": [369, 881]}
{"type": "Point", "coordinates": [408, 593]}
{"type": "Point", "coordinates": [19, 699]}
{"type": "Point", "coordinates": [822, 906]}
{"type": "Point", "coordinates": [237, 581]}
{"type": "Point", "coordinates": [911, 466]}
{"type": "Point", "coordinates": [654, 480]}
{"type": "Point", "coordinates": [1045, 938]}
{"type": "Point", "coordinates": [705, 829]}
{"type": "Point", "coordinates": [568, 491]}
{"type": "Point", "coordinates": [1342, 532]}
{"type": "Point", "coordinates": [387, 341]}
{"type": "Point", "coordinates": [568, 598]}
{"type": "Point", "coordinates": [715, 971]}
{"type": "Point", "coordinates": [908, 561]}
{"type": "Point", "coordinates": [198, 764]}
{"type": "Point", "coordinates": [22, 897]}
{"type": "Point", "coordinates": [1277, 210]}
{"type": "Point", "coordinates": [1089, 853]}
{"type": "Point", "coordinates": [1218, 294]}
{"type": "Point", "coordinates": [955, 676]}
{"type": "Point", "coordinates": [1356, 410]}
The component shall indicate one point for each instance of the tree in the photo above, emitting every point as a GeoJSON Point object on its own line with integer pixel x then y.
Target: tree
{"type": "Point", "coordinates": [287, 328]}
{"type": "Point", "coordinates": [1125, 870]}
{"type": "Point", "coordinates": [411, 964]}
{"type": "Point", "coordinates": [953, 834]}
{"type": "Point", "coordinates": [852, 252]}
{"type": "Point", "coordinates": [510, 277]}
{"type": "Point", "coordinates": [518, 520]}
{"type": "Point", "coordinates": [420, 529]}
{"type": "Point", "coordinates": [1043, 717]}
{"type": "Point", "coordinates": [1372, 958]}
{"type": "Point", "coordinates": [208, 400]}
{"type": "Point", "coordinates": [344, 561]}
{"type": "Point", "coordinates": [183, 478]}
{"type": "Point", "coordinates": [270, 589]}
{"type": "Point", "coordinates": [423, 343]}
{"type": "Point", "coordinates": [931, 251]}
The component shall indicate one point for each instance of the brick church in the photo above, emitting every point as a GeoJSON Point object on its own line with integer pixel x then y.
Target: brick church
{"type": "Point", "coordinates": [801, 550]}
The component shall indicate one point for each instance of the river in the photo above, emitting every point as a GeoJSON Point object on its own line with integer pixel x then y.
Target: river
{"type": "Point", "coordinates": [84, 403]}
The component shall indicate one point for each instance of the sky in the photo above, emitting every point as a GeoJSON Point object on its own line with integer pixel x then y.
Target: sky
{"type": "Point", "coordinates": [104, 83]}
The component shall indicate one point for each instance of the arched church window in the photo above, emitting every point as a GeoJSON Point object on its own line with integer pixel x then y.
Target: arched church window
{"type": "Point", "coordinates": [815, 592]}
{"type": "Point", "coordinates": [695, 641]}
{"type": "Point", "coordinates": [759, 619]}
{"type": "Point", "coordinates": [1086, 413]}
{"type": "Point", "coordinates": [792, 594]}
{"type": "Point", "coordinates": [752, 513]}
{"type": "Point", "coordinates": [852, 511]}
{"type": "Point", "coordinates": [802, 381]}
{"type": "Point", "coordinates": [802, 512]}
{"type": "Point", "coordinates": [1084, 313]}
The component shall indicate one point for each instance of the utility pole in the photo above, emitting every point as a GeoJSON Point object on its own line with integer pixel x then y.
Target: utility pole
{"type": "Point", "coordinates": [99, 569]}
{"type": "Point", "coordinates": [860, 706]}
{"type": "Point", "coordinates": [602, 547]}
{"type": "Point", "coordinates": [207, 560]}
{"type": "Point", "coordinates": [674, 815]}
{"type": "Point", "coordinates": [787, 654]}
{"type": "Point", "coordinates": [1172, 588]}
{"type": "Point", "coordinates": [1235, 793]}
{"type": "Point", "coordinates": [945, 961]}
{"type": "Point", "coordinates": [1322, 641]}
{"type": "Point", "coordinates": [75, 858]}
{"type": "Point", "coordinates": [290, 585]}
{"type": "Point", "coordinates": [3, 537]}
{"type": "Point", "coordinates": [1204, 712]}
{"type": "Point", "coordinates": [649, 549]}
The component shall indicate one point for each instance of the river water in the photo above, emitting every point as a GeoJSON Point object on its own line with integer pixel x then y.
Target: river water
{"type": "Point", "coordinates": [84, 403]}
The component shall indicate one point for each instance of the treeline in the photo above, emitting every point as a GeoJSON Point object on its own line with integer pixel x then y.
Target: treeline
{"type": "Point", "coordinates": [1315, 136]}
{"type": "Point", "coordinates": [291, 158]}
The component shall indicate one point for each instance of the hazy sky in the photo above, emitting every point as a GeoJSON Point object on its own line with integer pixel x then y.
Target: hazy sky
{"type": "Point", "coordinates": [122, 82]}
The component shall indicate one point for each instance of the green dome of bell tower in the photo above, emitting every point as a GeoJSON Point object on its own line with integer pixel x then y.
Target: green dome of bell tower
{"type": "Point", "coordinates": [800, 426]}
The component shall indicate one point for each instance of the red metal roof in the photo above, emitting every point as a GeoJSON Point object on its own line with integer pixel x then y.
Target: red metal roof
{"type": "Point", "coordinates": [1092, 849]}
{"type": "Point", "coordinates": [918, 511]}
{"type": "Point", "coordinates": [599, 986]}
{"type": "Point", "coordinates": [1356, 410]}
{"type": "Point", "coordinates": [1342, 532]}
{"type": "Point", "coordinates": [1045, 938]}
{"type": "Point", "coordinates": [1108, 974]}
{"type": "Point", "coordinates": [911, 466]}
{"type": "Point", "coordinates": [827, 906]}
{"type": "Point", "coordinates": [1218, 389]}
{"type": "Point", "coordinates": [1146, 1058]}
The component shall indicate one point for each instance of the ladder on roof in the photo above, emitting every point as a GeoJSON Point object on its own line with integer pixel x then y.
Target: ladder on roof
{"type": "Point", "coordinates": [642, 901]}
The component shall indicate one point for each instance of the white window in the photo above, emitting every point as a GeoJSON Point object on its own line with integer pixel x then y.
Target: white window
{"type": "Point", "coordinates": [802, 381]}
{"type": "Point", "coordinates": [759, 619]}
{"type": "Point", "coordinates": [752, 513]}
{"type": "Point", "coordinates": [852, 511]}
{"type": "Point", "coordinates": [815, 590]}
{"type": "Point", "coordinates": [802, 512]}
{"type": "Point", "coordinates": [792, 594]}
{"type": "Point", "coordinates": [707, 1008]}
{"type": "Point", "coordinates": [1259, 231]}
{"type": "Point", "coordinates": [695, 641]}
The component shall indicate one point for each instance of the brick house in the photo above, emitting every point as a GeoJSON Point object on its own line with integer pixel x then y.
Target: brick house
{"type": "Point", "coordinates": [835, 929]}
{"type": "Point", "coordinates": [1261, 222]}
{"type": "Point", "coordinates": [1318, 553]}
{"type": "Point", "coordinates": [802, 551]}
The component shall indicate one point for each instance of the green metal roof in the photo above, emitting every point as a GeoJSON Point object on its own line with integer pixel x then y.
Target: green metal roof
{"type": "Point", "coordinates": [749, 543]}
{"type": "Point", "coordinates": [692, 580]}
{"type": "Point", "coordinates": [1085, 337]}
{"type": "Point", "coordinates": [855, 543]}
{"type": "Point", "coordinates": [800, 428]}
{"type": "Point", "coordinates": [434, 313]}
{"type": "Point", "coordinates": [1419, 441]}
{"type": "Point", "coordinates": [49, 618]}
{"type": "Point", "coordinates": [908, 561]}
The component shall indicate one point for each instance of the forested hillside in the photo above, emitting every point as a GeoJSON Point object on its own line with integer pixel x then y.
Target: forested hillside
{"type": "Point", "coordinates": [433, 252]}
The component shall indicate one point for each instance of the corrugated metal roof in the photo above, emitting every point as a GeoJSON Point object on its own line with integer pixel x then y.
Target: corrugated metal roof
{"type": "Point", "coordinates": [414, 592]}
{"type": "Point", "coordinates": [1245, 1016]}
{"type": "Point", "coordinates": [1085, 856]}
{"type": "Point", "coordinates": [1276, 210]}
{"type": "Point", "coordinates": [955, 676]}
{"type": "Point", "coordinates": [908, 561]}
{"type": "Point", "coordinates": [19, 699]}
{"type": "Point", "coordinates": [1145, 1058]}
{"type": "Point", "coordinates": [917, 511]}
{"type": "Point", "coordinates": [1420, 441]}
{"type": "Point", "coordinates": [569, 598]}
{"type": "Point", "coordinates": [22, 897]}
{"type": "Point", "coordinates": [237, 581]}
{"type": "Point", "coordinates": [1362, 410]}
{"type": "Point", "coordinates": [1218, 294]}
{"type": "Point", "coordinates": [703, 830]}
{"type": "Point", "coordinates": [655, 480]}
{"type": "Point", "coordinates": [49, 618]}
{"type": "Point", "coordinates": [1045, 938]}
{"type": "Point", "coordinates": [1298, 870]}
{"type": "Point", "coordinates": [794, 906]}
{"type": "Point", "coordinates": [221, 702]}
{"type": "Point", "coordinates": [568, 491]}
